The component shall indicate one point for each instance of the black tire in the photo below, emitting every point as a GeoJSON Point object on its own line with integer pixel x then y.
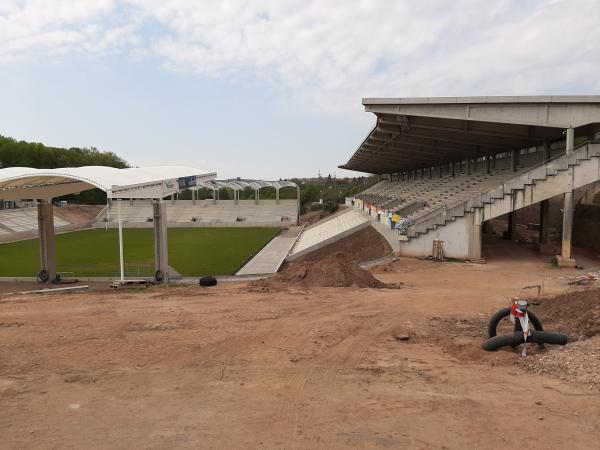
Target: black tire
{"type": "Point", "coordinates": [208, 281]}
{"type": "Point", "coordinates": [505, 312]}
{"type": "Point", "coordinates": [512, 340]}
{"type": "Point", "coordinates": [43, 276]}
{"type": "Point", "coordinates": [159, 276]}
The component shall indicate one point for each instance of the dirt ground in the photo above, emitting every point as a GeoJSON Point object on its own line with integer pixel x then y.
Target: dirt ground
{"type": "Point", "coordinates": [229, 367]}
{"type": "Point", "coordinates": [354, 246]}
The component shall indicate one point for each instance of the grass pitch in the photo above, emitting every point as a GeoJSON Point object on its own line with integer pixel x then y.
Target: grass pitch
{"type": "Point", "coordinates": [192, 251]}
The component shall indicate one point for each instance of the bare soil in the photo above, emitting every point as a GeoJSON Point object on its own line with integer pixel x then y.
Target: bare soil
{"type": "Point", "coordinates": [364, 245]}
{"type": "Point", "coordinates": [334, 270]}
{"type": "Point", "coordinates": [306, 367]}
{"type": "Point", "coordinates": [575, 313]}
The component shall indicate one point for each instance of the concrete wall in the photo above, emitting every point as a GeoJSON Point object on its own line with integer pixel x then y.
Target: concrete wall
{"type": "Point", "coordinates": [455, 234]}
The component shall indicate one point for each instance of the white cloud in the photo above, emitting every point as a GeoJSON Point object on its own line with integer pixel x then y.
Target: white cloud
{"type": "Point", "coordinates": [325, 55]}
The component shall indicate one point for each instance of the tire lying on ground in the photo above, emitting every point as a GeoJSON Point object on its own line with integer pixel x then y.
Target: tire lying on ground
{"type": "Point", "coordinates": [538, 337]}
{"type": "Point", "coordinates": [505, 312]}
{"type": "Point", "coordinates": [208, 281]}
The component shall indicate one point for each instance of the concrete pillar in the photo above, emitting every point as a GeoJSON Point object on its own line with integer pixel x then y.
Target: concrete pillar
{"type": "Point", "coordinates": [45, 212]}
{"type": "Point", "coordinates": [452, 169]}
{"type": "Point", "coordinates": [515, 160]}
{"type": "Point", "coordinates": [488, 164]}
{"type": "Point", "coordinates": [194, 192]}
{"type": "Point", "coordinates": [512, 226]}
{"type": "Point", "coordinates": [469, 166]}
{"type": "Point", "coordinates": [256, 196]}
{"type": "Point", "coordinates": [494, 162]}
{"type": "Point", "coordinates": [161, 246]}
{"type": "Point", "coordinates": [236, 196]}
{"type": "Point", "coordinates": [564, 259]}
{"type": "Point", "coordinates": [547, 150]}
{"type": "Point", "coordinates": [544, 221]}
{"type": "Point", "coordinates": [430, 172]}
{"type": "Point", "coordinates": [214, 196]}
{"type": "Point", "coordinates": [475, 235]}
{"type": "Point", "coordinates": [277, 196]}
{"type": "Point", "coordinates": [172, 199]}
{"type": "Point", "coordinates": [570, 140]}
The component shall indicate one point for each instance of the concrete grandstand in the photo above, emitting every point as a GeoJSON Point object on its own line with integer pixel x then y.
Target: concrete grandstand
{"type": "Point", "coordinates": [451, 164]}
{"type": "Point", "coordinates": [213, 212]}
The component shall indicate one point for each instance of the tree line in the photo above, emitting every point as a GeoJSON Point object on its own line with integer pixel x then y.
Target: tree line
{"type": "Point", "coordinates": [15, 153]}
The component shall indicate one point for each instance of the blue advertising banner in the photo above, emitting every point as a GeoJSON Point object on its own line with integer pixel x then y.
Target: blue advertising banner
{"type": "Point", "coordinates": [186, 182]}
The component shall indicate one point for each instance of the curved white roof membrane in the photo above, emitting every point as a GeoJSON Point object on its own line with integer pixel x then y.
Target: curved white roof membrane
{"type": "Point", "coordinates": [149, 182]}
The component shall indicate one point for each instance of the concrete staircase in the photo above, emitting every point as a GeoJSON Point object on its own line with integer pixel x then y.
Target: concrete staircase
{"type": "Point", "coordinates": [452, 223]}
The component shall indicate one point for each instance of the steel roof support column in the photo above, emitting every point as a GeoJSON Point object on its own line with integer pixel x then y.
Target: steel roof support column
{"type": "Point", "coordinates": [277, 196]}
{"type": "Point", "coordinates": [488, 164]}
{"type": "Point", "coordinates": [161, 246]}
{"type": "Point", "coordinates": [564, 259]}
{"type": "Point", "coordinates": [45, 212]}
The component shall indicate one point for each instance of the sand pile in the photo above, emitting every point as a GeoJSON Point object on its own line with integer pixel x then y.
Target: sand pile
{"type": "Point", "coordinates": [335, 270]}
{"type": "Point", "coordinates": [574, 313]}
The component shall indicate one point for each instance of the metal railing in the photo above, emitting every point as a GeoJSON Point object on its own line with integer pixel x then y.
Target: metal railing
{"type": "Point", "coordinates": [443, 213]}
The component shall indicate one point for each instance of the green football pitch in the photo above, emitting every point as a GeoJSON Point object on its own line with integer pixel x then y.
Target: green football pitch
{"type": "Point", "coordinates": [192, 252]}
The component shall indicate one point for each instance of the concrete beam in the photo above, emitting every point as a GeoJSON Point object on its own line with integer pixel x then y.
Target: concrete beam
{"type": "Point", "coordinates": [545, 112]}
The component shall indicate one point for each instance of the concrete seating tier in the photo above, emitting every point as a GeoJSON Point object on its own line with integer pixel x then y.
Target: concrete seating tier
{"type": "Point", "coordinates": [418, 197]}
{"type": "Point", "coordinates": [267, 212]}
{"type": "Point", "coordinates": [23, 219]}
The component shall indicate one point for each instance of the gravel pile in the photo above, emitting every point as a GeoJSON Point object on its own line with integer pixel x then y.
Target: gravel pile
{"type": "Point", "coordinates": [578, 362]}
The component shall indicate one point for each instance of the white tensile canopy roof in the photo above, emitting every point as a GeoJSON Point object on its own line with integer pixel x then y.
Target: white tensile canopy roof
{"type": "Point", "coordinates": [18, 183]}
{"type": "Point", "coordinates": [238, 184]}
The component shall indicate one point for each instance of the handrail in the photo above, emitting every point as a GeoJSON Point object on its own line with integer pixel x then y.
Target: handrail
{"type": "Point", "coordinates": [465, 202]}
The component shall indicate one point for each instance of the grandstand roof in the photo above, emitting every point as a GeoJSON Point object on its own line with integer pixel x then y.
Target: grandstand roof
{"type": "Point", "coordinates": [236, 184]}
{"type": "Point", "coordinates": [150, 182]}
{"type": "Point", "coordinates": [413, 133]}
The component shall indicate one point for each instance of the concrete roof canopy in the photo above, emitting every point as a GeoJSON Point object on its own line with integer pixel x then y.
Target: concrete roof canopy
{"type": "Point", "coordinates": [414, 133]}
{"type": "Point", "coordinates": [150, 182]}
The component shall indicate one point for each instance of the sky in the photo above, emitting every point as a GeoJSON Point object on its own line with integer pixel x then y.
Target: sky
{"type": "Point", "coordinates": [270, 89]}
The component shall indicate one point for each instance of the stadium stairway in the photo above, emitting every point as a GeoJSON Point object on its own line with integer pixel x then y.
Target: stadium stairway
{"type": "Point", "coordinates": [272, 255]}
{"type": "Point", "coordinates": [458, 222]}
